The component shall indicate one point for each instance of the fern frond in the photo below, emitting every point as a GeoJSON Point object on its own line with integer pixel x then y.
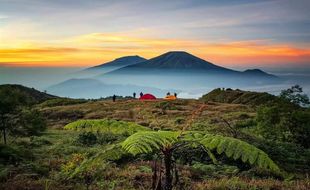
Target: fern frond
{"type": "Point", "coordinates": [106, 125]}
{"type": "Point", "coordinates": [149, 141]}
{"type": "Point", "coordinates": [237, 149]}
{"type": "Point", "coordinates": [112, 153]}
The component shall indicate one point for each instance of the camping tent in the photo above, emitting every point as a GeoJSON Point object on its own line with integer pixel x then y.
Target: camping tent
{"type": "Point", "coordinates": [170, 97]}
{"type": "Point", "coordinates": [147, 97]}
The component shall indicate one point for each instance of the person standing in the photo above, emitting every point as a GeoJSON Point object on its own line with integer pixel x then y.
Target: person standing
{"type": "Point", "coordinates": [175, 94]}
{"type": "Point", "coordinates": [114, 98]}
{"type": "Point", "coordinates": [134, 95]}
{"type": "Point", "coordinates": [141, 94]}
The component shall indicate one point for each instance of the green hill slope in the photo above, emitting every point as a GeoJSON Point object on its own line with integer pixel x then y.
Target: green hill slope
{"type": "Point", "coordinates": [31, 95]}
{"type": "Point", "coordinates": [238, 97]}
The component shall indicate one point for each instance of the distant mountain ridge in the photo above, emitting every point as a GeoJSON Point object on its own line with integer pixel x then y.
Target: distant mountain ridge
{"type": "Point", "coordinates": [119, 63]}
{"type": "Point", "coordinates": [177, 70]}
{"type": "Point", "coordinates": [175, 60]}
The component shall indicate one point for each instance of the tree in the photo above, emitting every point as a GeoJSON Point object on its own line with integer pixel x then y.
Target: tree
{"type": "Point", "coordinates": [10, 101]}
{"type": "Point", "coordinates": [294, 95]}
{"type": "Point", "coordinates": [16, 117]}
{"type": "Point", "coordinates": [28, 122]}
{"type": "Point", "coordinates": [165, 143]}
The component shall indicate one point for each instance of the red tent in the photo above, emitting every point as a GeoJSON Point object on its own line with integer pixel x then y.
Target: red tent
{"type": "Point", "coordinates": [147, 97]}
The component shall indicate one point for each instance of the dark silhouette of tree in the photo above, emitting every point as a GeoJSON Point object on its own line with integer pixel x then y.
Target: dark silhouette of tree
{"type": "Point", "coordinates": [295, 95]}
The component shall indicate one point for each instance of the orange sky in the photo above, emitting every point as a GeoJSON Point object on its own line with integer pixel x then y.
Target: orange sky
{"type": "Point", "coordinates": [96, 48]}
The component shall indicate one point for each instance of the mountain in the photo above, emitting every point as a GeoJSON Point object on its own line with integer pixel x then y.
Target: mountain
{"type": "Point", "coordinates": [91, 88]}
{"type": "Point", "coordinates": [120, 62]}
{"type": "Point", "coordinates": [109, 66]}
{"type": "Point", "coordinates": [181, 70]}
{"type": "Point", "coordinates": [31, 95]}
{"type": "Point", "coordinates": [175, 61]}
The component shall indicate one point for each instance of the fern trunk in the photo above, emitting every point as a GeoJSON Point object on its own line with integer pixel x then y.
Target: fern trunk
{"type": "Point", "coordinates": [168, 169]}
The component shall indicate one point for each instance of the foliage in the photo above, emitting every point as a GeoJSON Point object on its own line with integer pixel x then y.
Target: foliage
{"type": "Point", "coordinates": [279, 123]}
{"type": "Point", "coordinates": [212, 170]}
{"type": "Point", "coordinates": [106, 125]}
{"type": "Point", "coordinates": [166, 142]}
{"type": "Point", "coordinates": [23, 94]}
{"type": "Point", "coordinates": [11, 155]}
{"type": "Point", "coordinates": [179, 120]}
{"type": "Point", "coordinates": [146, 142]}
{"type": "Point", "coordinates": [61, 102]}
{"type": "Point", "coordinates": [237, 183]}
{"type": "Point", "coordinates": [238, 97]}
{"type": "Point", "coordinates": [294, 95]}
{"type": "Point", "coordinates": [13, 118]}
{"type": "Point", "coordinates": [87, 138]}
{"type": "Point", "coordinates": [30, 122]}
{"type": "Point", "coordinates": [166, 105]}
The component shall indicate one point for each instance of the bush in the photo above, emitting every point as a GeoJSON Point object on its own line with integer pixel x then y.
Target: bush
{"type": "Point", "coordinates": [280, 123]}
{"type": "Point", "coordinates": [211, 170]}
{"type": "Point", "coordinates": [104, 138]}
{"type": "Point", "coordinates": [87, 138]}
{"type": "Point", "coordinates": [39, 141]}
{"type": "Point", "coordinates": [179, 120]}
{"type": "Point", "coordinates": [31, 122]}
{"type": "Point", "coordinates": [11, 155]}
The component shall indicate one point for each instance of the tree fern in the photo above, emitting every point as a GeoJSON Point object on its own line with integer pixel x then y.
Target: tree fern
{"type": "Point", "coordinates": [150, 141]}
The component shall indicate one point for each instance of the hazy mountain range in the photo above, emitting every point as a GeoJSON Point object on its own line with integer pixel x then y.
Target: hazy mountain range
{"type": "Point", "coordinates": [176, 71]}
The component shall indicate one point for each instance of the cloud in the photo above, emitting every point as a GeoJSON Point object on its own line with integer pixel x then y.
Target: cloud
{"type": "Point", "coordinates": [95, 48]}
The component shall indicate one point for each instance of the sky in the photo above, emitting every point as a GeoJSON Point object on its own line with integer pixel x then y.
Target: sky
{"type": "Point", "coordinates": [79, 33]}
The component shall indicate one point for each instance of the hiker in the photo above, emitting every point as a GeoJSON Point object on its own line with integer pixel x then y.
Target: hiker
{"type": "Point", "coordinates": [168, 94]}
{"type": "Point", "coordinates": [134, 95]}
{"type": "Point", "coordinates": [114, 97]}
{"type": "Point", "coordinates": [141, 94]}
{"type": "Point", "coordinates": [175, 94]}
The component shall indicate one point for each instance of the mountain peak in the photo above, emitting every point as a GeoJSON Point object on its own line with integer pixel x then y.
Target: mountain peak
{"type": "Point", "coordinates": [121, 62]}
{"type": "Point", "coordinates": [254, 71]}
{"type": "Point", "coordinates": [176, 60]}
{"type": "Point", "coordinates": [129, 57]}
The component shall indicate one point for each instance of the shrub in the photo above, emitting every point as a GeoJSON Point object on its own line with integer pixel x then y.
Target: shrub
{"type": "Point", "coordinates": [179, 120]}
{"type": "Point", "coordinates": [87, 138]}
{"type": "Point", "coordinates": [104, 138]}
{"type": "Point", "coordinates": [217, 171]}
{"type": "Point", "coordinates": [39, 141]}
{"type": "Point", "coordinates": [31, 122]}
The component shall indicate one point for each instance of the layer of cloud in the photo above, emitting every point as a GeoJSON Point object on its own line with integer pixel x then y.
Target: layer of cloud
{"type": "Point", "coordinates": [95, 48]}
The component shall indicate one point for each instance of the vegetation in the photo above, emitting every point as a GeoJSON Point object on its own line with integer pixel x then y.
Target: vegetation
{"type": "Point", "coordinates": [167, 142]}
{"type": "Point", "coordinates": [129, 144]}
{"type": "Point", "coordinates": [238, 97]}
{"type": "Point", "coordinates": [106, 125]}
